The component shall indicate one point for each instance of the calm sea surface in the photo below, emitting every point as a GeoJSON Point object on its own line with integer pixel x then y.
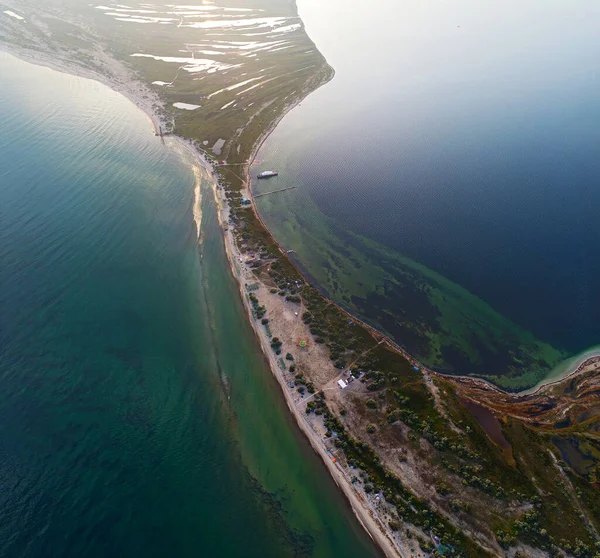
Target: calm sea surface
{"type": "Point", "coordinates": [449, 177]}
{"type": "Point", "coordinates": [137, 416]}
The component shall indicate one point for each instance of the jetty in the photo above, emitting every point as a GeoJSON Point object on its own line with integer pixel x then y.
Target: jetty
{"type": "Point", "coordinates": [273, 192]}
{"type": "Point", "coordinates": [161, 134]}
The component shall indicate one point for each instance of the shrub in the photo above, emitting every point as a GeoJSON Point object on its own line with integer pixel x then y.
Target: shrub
{"type": "Point", "coordinates": [371, 428]}
{"type": "Point", "coordinates": [443, 488]}
{"type": "Point", "coordinates": [457, 505]}
{"type": "Point", "coordinates": [276, 344]}
{"type": "Point", "coordinates": [393, 416]}
{"type": "Point", "coordinates": [371, 403]}
{"type": "Point", "coordinates": [505, 538]}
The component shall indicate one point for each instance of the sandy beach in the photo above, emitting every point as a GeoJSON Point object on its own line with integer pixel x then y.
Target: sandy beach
{"type": "Point", "coordinates": [116, 78]}
{"type": "Point", "coordinates": [244, 275]}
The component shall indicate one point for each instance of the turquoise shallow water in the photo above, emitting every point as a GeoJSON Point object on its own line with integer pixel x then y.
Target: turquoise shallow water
{"type": "Point", "coordinates": [137, 417]}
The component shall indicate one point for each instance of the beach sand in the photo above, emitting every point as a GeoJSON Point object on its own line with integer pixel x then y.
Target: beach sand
{"type": "Point", "coordinates": [287, 326]}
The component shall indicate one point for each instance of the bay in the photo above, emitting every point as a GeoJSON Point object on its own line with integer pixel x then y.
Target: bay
{"type": "Point", "coordinates": [447, 179]}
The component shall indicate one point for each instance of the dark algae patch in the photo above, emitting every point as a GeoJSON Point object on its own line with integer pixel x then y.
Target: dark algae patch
{"type": "Point", "coordinates": [301, 544]}
{"type": "Point", "coordinates": [444, 326]}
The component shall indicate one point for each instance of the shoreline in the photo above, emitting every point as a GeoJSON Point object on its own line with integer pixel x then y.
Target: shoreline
{"type": "Point", "coordinates": [359, 505]}
{"type": "Point", "coordinates": [581, 368]}
{"type": "Point", "coordinates": [361, 509]}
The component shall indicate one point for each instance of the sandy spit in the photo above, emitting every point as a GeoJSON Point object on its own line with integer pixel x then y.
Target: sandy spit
{"type": "Point", "coordinates": [135, 91]}
{"type": "Point", "coordinates": [148, 102]}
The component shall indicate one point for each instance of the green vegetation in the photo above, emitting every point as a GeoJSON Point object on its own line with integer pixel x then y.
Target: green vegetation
{"type": "Point", "coordinates": [398, 396]}
{"type": "Point", "coordinates": [376, 478]}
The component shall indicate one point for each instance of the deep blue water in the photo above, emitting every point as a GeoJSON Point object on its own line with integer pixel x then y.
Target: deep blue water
{"type": "Point", "coordinates": [137, 415]}
{"type": "Point", "coordinates": [467, 138]}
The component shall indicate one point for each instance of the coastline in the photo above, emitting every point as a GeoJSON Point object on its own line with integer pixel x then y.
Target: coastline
{"type": "Point", "coordinates": [359, 506]}
{"type": "Point", "coordinates": [144, 99]}
{"type": "Point", "coordinates": [578, 368]}
{"type": "Point", "coordinates": [574, 367]}
{"type": "Point", "coordinates": [139, 96]}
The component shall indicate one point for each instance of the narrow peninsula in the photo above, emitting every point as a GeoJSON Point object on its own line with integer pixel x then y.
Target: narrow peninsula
{"type": "Point", "coordinates": [432, 465]}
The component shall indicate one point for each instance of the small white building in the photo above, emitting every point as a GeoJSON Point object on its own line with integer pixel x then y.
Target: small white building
{"type": "Point", "coordinates": [342, 384]}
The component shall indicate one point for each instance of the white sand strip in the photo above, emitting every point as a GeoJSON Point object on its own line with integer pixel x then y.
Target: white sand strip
{"type": "Point", "coordinates": [12, 14]}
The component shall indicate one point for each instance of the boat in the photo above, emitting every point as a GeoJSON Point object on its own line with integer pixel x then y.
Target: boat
{"type": "Point", "coordinates": [267, 174]}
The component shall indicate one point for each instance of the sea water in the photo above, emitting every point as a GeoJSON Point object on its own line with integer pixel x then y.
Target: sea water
{"type": "Point", "coordinates": [137, 415]}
